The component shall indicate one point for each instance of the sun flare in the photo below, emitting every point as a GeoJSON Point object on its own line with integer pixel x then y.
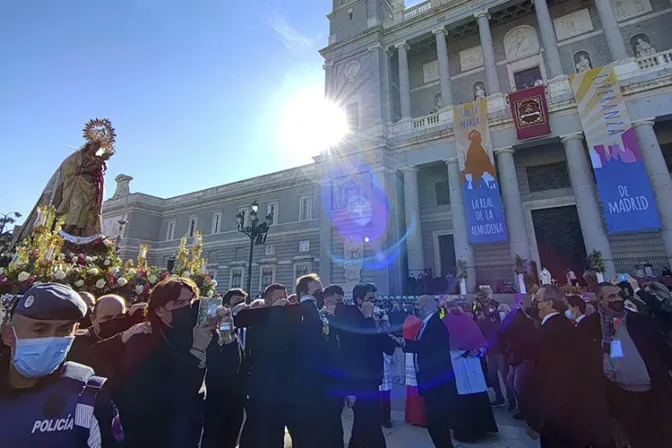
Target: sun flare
{"type": "Point", "coordinates": [309, 124]}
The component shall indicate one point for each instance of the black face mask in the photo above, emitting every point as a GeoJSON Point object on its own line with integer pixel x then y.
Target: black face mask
{"type": "Point", "coordinates": [184, 319]}
{"type": "Point", "coordinates": [85, 322]}
{"type": "Point", "coordinates": [618, 306]}
{"type": "Point", "coordinates": [113, 327]}
{"type": "Point", "coordinates": [319, 299]}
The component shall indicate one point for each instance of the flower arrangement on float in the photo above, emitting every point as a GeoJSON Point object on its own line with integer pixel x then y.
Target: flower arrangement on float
{"type": "Point", "coordinates": [41, 259]}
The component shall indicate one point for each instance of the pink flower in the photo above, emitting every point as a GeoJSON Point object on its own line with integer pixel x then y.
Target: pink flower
{"type": "Point", "coordinates": [165, 275]}
{"type": "Point", "coordinates": [3, 280]}
{"type": "Point", "coordinates": [147, 288]}
{"type": "Point", "coordinates": [143, 272]}
{"type": "Point", "coordinates": [31, 280]}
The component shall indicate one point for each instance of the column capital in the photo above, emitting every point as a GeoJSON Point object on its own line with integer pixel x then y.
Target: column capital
{"type": "Point", "coordinates": [504, 150]}
{"type": "Point", "coordinates": [439, 30]}
{"type": "Point", "coordinates": [645, 122]}
{"type": "Point", "coordinates": [410, 169]}
{"type": "Point", "coordinates": [400, 45]}
{"type": "Point", "coordinates": [450, 161]}
{"type": "Point", "coordinates": [375, 46]}
{"type": "Point", "coordinates": [482, 13]}
{"type": "Point", "coordinates": [565, 138]}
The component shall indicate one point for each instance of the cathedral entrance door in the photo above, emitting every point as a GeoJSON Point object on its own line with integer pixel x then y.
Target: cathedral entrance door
{"type": "Point", "coordinates": [447, 258]}
{"type": "Point", "coordinates": [560, 241]}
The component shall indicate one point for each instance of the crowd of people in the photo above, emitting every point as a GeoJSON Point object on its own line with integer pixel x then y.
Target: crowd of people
{"type": "Point", "coordinates": [80, 371]}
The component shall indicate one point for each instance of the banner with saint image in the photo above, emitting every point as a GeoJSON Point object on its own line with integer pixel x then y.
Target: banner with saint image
{"type": "Point", "coordinates": [480, 188]}
{"type": "Point", "coordinates": [627, 199]}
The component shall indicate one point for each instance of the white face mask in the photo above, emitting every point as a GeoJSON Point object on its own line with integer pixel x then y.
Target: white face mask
{"type": "Point", "coordinates": [502, 315]}
{"type": "Point", "coordinates": [569, 314]}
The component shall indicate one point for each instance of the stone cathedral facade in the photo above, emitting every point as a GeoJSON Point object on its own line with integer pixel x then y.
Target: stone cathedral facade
{"type": "Point", "coordinates": [387, 202]}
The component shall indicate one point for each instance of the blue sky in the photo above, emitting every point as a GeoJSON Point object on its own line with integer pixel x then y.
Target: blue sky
{"type": "Point", "coordinates": [195, 89]}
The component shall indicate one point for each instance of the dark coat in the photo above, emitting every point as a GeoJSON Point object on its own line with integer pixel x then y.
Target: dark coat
{"type": "Point", "coordinates": [550, 392]}
{"type": "Point", "coordinates": [517, 333]}
{"type": "Point", "coordinates": [594, 420]}
{"type": "Point", "coordinates": [435, 368]}
{"type": "Point", "coordinates": [158, 388]}
{"type": "Point", "coordinates": [362, 348]}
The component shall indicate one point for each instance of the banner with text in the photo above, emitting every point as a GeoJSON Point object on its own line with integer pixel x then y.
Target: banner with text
{"type": "Point", "coordinates": [480, 188]}
{"type": "Point", "coordinates": [624, 187]}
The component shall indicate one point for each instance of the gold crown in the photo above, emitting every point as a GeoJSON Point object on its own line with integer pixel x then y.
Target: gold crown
{"type": "Point", "coordinates": [100, 130]}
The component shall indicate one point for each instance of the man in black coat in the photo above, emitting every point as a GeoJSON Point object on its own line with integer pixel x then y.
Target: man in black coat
{"type": "Point", "coordinates": [363, 347]}
{"type": "Point", "coordinates": [316, 391]}
{"type": "Point", "coordinates": [109, 317]}
{"type": "Point", "coordinates": [550, 392]}
{"type": "Point", "coordinates": [270, 331]}
{"type": "Point", "coordinates": [436, 379]}
{"type": "Point", "coordinates": [225, 400]}
{"type": "Point", "coordinates": [636, 363]}
{"type": "Point", "coordinates": [157, 369]}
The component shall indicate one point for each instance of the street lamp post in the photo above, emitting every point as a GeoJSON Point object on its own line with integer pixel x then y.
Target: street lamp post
{"type": "Point", "coordinates": [256, 232]}
{"type": "Point", "coordinates": [5, 219]}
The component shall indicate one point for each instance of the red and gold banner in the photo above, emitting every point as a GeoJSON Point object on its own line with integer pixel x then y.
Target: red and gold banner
{"type": "Point", "coordinates": [530, 112]}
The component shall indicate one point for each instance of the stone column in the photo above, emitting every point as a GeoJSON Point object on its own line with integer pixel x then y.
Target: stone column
{"type": "Point", "coordinates": [444, 68]}
{"type": "Point", "coordinates": [415, 251]}
{"type": "Point", "coordinates": [548, 38]}
{"type": "Point", "coordinates": [404, 81]}
{"type": "Point", "coordinates": [587, 207]}
{"type": "Point", "coordinates": [328, 75]}
{"type": "Point", "coordinates": [463, 248]}
{"type": "Point", "coordinates": [519, 244]}
{"type": "Point", "coordinates": [611, 30]}
{"type": "Point", "coordinates": [326, 226]}
{"type": "Point", "coordinates": [659, 177]}
{"type": "Point", "coordinates": [489, 60]}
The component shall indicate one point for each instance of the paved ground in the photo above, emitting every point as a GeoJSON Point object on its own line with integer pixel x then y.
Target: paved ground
{"type": "Point", "coordinates": [511, 432]}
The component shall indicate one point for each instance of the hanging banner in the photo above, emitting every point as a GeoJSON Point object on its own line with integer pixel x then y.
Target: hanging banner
{"type": "Point", "coordinates": [624, 186]}
{"type": "Point", "coordinates": [530, 112]}
{"type": "Point", "coordinates": [480, 188]}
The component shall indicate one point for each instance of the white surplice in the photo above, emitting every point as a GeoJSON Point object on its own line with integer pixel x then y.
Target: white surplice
{"type": "Point", "coordinates": [468, 373]}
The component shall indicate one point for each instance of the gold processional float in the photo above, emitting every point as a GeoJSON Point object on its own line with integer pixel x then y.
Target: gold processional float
{"type": "Point", "coordinates": [61, 240]}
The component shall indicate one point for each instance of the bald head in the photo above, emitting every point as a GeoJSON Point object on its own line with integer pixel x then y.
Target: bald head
{"type": "Point", "coordinates": [88, 298]}
{"type": "Point", "coordinates": [109, 307]}
{"type": "Point", "coordinates": [425, 306]}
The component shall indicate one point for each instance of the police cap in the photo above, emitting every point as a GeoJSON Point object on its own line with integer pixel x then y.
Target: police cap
{"type": "Point", "coordinates": [51, 301]}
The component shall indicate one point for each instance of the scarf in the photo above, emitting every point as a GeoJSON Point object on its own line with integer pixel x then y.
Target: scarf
{"type": "Point", "coordinates": [464, 332]}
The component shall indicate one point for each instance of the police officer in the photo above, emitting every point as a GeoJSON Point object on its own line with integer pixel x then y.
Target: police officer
{"type": "Point", "coordinates": [49, 402]}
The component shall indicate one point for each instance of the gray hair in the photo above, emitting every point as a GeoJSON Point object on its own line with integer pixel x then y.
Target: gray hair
{"type": "Point", "coordinates": [659, 290]}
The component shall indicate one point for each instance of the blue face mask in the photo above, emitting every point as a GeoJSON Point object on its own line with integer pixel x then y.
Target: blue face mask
{"type": "Point", "coordinates": [39, 357]}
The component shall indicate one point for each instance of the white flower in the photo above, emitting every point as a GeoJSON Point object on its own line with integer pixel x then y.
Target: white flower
{"type": "Point", "coordinates": [139, 289]}
{"type": "Point", "coordinates": [2, 270]}
{"type": "Point", "coordinates": [100, 284]}
{"type": "Point", "coordinates": [79, 283]}
{"type": "Point", "coordinates": [93, 271]}
{"type": "Point", "coordinates": [59, 275]}
{"type": "Point", "coordinates": [115, 270]}
{"type": "Point", "coordinates": [186, 274]}
{"type": "Point", "coordinates": [214, 283]}
{"type": "Point", "coordinates": [121, 281]}
{"type": "Point", "coordinates": [132, 271]}
{"type": "Point", "coordinates": [106, 262]}
{"type": "Point", "coordinates": [23, 276]}
{"type": "Point", "coordinates": [88, 259]}
{"type": "Point", "coordinates": [152, 279]}
{"type": "Point", "coordinates": [211, 293]}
